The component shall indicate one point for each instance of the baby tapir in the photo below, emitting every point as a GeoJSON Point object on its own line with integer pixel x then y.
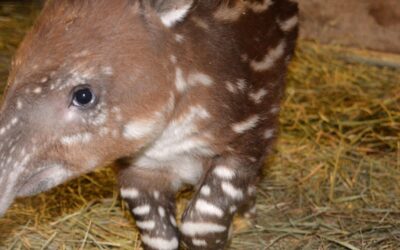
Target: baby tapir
{"type": "Point", "coordinates": [172, 92]}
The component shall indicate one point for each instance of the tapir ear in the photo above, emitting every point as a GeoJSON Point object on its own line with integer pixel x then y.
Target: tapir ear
{"type": "Point", "coordinates": [172, 12]}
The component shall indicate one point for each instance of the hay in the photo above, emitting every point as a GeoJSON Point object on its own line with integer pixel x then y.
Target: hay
{"type": "Point", "coordinates": [332, 183]}
{"type": "Point", "coordinates": [15, 19]}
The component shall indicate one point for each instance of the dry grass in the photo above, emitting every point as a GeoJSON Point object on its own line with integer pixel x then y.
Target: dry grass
{"type": "Point", "coordinates": [333, 182]}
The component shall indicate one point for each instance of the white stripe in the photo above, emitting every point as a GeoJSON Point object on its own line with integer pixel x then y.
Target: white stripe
{"type": "Point", "coordinates": [180, 82]}
{"type": "Point", "coordinates": [173, 221]}
{"type": "Point", "coordinates": [270, 58]}
{"type": "Point", "coordinates": [196, 79]}
{"type": "Point", "coordinates": [175, 15]}
{"type": "Point", "coordinates": [141, 210]}
{"type": "Point", "coordinates": [77, 138]}
{"type": "Point", "coordinates": [201, 228]}
{"type": "Point", "coordinates": [205, 190]}
{"type": "Point", "coordinates": [224, 172]}
{"type": "Point", "coordinates": [139, 129]}
{"type": "Point", "coordinates": [269, 133]}
{"type": "Point", "coordinates": [205, 207]}
{"type": "Point", "coordinates": [129, 193]}
{"type": "Point", "coordinates": [243, 126]}
{"type": "Point", "coordinates": [160, 243]}
{"type": "Point", "coordinates": [275, 109]}
{"type": "Point", "coordinates": [260, 7]}
{"type": "Point", "coordinates": [289, 24]}
{"type": "Point", "coordinates": [257, 97]}
{"type": "Point", "coordinates": [199, 243]}
{"type": "Point", "coordinates": [230, 190]}
{"type": "Point", "coordinates": [146, 225]}
{"type": "Point", "coordinates": [161, 211]}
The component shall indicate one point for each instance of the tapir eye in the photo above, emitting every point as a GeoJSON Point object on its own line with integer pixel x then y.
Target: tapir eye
{"type": "Point", "coordinates": [83, 97]}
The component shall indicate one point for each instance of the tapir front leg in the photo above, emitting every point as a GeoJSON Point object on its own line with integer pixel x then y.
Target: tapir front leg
{"type": "Point", "coordinates": [226, 190]}
{"type": "Point", "coordinates": [152, 203]}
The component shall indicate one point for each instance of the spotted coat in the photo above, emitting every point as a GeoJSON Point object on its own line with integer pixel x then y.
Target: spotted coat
{"type": "Point", "coordinates": [172, 92]}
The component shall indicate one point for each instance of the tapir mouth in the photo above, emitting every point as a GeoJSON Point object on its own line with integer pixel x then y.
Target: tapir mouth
{"type": "Point", "coordinates": [43, 180]}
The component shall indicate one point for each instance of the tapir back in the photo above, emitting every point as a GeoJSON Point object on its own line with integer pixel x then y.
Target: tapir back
{"type": "Point", "coordinates": [245, 47]}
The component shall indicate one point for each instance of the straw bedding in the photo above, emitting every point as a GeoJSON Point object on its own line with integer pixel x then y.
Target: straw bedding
{"type": "Point", "coordinates": [333, 181]}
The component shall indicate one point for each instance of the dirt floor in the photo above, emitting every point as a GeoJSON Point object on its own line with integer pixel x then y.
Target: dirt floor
{"type": "Point", "coordinates": [333, 181]}
{"type": "Point", "coordinates": [369, 24]}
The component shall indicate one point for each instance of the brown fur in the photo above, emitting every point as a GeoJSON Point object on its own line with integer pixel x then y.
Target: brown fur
{"type": "Point", "coordinates": [131, 61]}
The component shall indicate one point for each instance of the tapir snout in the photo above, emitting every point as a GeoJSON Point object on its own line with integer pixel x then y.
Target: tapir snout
{"type": "Point", "coordinates": [185, 91]}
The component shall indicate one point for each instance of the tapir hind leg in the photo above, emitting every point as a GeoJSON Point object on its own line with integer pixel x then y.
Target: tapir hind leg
{"type": "Point", "coordinates": [226, 189]}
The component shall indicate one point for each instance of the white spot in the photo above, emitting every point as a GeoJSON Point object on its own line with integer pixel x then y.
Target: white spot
{"type": "Point", "coordinates": [199, 79]}
{"type": "Point", "coordinates": [270, 58]}
{"type": "Point", "coordinates": [269, 133]}
{"type": "Point", "coordinates": [174, 16]}
{"type": "Point", "coordinates": [19, 105]}
{"type": "Point", "coordinates": [205, 190]}
{"type": "Point", "coordinates": [230, 87]}
{"type": "Point", "coordinates": [44, 79]}
{"type": "Point", "coordinates": [247, 215]}
{"type": "Point", "coordinates": [156, 195]}
{"type": "Point", "coordinates": [199, 243]}
{"type": "Point", "coordinates": [275, 109]}
{"type": "Point", "coordinates": [232, 209]}
{"type": "Point", "coordinates": [108, 70]}
{"type": "Point", "coordinates": [77, 138]}
{"type": "Point", "coordinates": [70, 116]}
{"type": "Point", "coordinates": [200, 23]}
{"type": "Point", "coordinates": [37, 90]}
{"type": "Point", "coordinates": [232, 191]}
{"type": "Point", "coordinates": [129, 193]}
{"type": "Point", "coordinates": [173, 59]}
{"type": "Point", "coordinates": [258, 96]}
{"type": "Point", "coordinates": [224, 172]}
{"type": "Point", "coordinates": [251, 190]}
{"type": "Point", "coordinates": [82, 53]}
{"type": "Point", "coordinates": [141, 210]}
{"type": "Point", "coordinates": [92, 162]}
{"type": "Point", "coordinates": [99, 119]}
{"type": "Point", "coordinates": [14, 121]}
{"type": "Point", "coordinates": [160, 243]}
{"type": "Point", "coordinates": [139, 129]}
{"type": "Point", "coordinates": [243, 126]}
{"type": "Point", "coordinates": [146, 225]}
{"type": "Point", "coordinates": [161, 211]}
{"type": "Point", "coordinates": [179, 38]}
{"type": "Point", "coordinates": [201, 228]}
{"type": "Point", "coordinates": [230, 14]}
{"type": "Point", "coordinates": [259, 7]}
{"type": "Point", "coordinates": [117, 112]}
{"type": "Point", "coordinates": [205, 207]}
{"type": "Point", "coordinates": [241, 83]}
{"type": "Point", "coordinates": [289, 24]}
{"type": "Point", "coordinates": [244, 57]}
{"type": "Point", "coordinates": [173, 221]}
{"type": "Point", "coordinates": [180, 82]}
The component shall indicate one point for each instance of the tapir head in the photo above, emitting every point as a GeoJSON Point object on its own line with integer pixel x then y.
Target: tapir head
{"type": "Point", "coordinates": [88, 86]}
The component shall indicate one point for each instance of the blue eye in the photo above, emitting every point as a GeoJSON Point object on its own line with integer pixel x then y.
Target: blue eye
{"type": "Point", "coordinates": [83, 97]}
